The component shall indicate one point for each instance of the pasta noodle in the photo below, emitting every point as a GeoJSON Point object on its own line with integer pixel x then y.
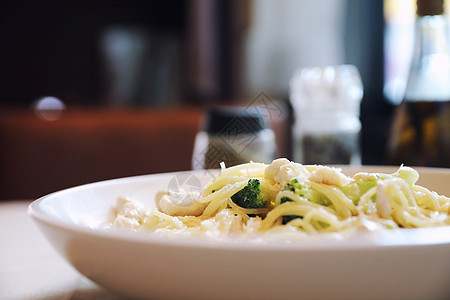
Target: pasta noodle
{"type": "Point", "coordinates": [256, 198]}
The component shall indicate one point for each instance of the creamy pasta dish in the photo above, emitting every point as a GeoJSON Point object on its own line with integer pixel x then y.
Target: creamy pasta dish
{"type": "Point", "coordinates": [284, 196]}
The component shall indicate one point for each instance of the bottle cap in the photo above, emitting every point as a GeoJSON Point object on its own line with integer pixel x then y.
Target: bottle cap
{"type": "Point", "coordinates": [326, 89]}
{"type": "Point", "coordinates": [240, 120]}
{"type": "Point", "coordinates": [430, 7]}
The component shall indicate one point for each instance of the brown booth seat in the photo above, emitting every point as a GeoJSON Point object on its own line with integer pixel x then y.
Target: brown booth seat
{"type": "Point", "coordinates": [38, 157]}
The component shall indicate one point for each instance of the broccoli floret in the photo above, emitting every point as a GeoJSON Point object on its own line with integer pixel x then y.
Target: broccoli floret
{"type": "Point", "coordinates": [306, 192]}
{"type": "Point", "coordinates": [250, 196]}
{"type": "Point", "coordinates": [298, 189]}
{"type": "Point", "coordinates": [295, 187]}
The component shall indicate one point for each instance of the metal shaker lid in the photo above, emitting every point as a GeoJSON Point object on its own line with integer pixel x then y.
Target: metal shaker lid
{"type": "Point", "coordinates": [240, 120]}
{"type": "Point", "coordinates": [430, 7]}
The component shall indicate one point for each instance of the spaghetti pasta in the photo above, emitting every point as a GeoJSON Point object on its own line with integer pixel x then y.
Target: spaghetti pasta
{"type": "Point", "coordinates": [255, 198]}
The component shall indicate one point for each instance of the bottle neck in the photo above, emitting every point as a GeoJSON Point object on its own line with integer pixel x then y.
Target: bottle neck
{"type": "Point", "coordinates": [431, 36]}
{"type": "Point", "coordinates": [429, 75]}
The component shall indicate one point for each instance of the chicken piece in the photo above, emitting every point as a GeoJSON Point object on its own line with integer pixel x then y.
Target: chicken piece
{"type": "Point", "coordinates": [129, 213]}
{"type": "Point", "coordinates": [366, 176]}
{"type": "Point", "coordinates": [328, 175]}
{"type": "Point", "coordinates": [281, 171]}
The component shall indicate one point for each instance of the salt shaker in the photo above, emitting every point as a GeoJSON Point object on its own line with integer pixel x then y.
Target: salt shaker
{"type": "Point", "coordinates": [233, 135]}
{"type": "Point", "coordinates": [326, 103]}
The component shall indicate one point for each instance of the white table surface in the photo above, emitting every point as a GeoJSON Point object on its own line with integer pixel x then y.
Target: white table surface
{"type": "Point", "coordinates": [30, 268]}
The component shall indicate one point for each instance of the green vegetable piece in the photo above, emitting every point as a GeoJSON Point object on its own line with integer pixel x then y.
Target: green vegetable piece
{"type": "Point", "coordinates": [285, 199]}
{"type": "Point", "coordinates": [407, 174]}
{"type": "Point", "coordinates": [358, 188]}
{"type": "Point", "coordinates": [352, 191]}
{"type": "Point", "coordinates": [295, 187]}
{"type": "Point", "coordinates": [305, 191]}
{"type": "Point", "coordinates": [250, 196]}
{"type": "Point", "coordinates": [365, 185]}
{"type": "Point", "coordinates": [288, 218]}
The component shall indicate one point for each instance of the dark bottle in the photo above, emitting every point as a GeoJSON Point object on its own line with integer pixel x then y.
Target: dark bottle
{"type": "Point", "coordinates": [420, 135]}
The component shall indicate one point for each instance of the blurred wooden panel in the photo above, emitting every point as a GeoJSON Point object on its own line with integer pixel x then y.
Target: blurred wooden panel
{"type": "Point", "coordinates": [38, 156]}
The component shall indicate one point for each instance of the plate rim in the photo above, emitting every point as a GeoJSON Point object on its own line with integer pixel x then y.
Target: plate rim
{"type": "Point", "coordinates": [360, 240]}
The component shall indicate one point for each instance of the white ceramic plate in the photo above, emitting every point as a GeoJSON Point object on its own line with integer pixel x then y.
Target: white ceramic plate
{"type": "Point", "coordinates": [392, 264]}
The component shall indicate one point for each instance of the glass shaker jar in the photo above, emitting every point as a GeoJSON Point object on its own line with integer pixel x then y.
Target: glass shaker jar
{"type": "Point", "coordinates": [233, 135]}
{"type": "Point", "coordinates": [326, 103]}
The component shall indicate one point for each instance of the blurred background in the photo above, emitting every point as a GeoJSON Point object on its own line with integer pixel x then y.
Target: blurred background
{"type": "Point", "coordinates": [93, 90]}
